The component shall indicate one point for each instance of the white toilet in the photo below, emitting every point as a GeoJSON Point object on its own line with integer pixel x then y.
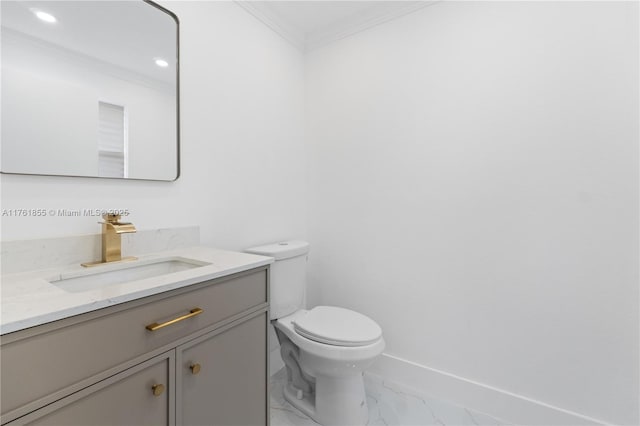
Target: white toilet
{"type": "Point", "coordinates": [325, 349]}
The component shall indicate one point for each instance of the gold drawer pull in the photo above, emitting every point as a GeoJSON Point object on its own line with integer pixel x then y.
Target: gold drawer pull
{"type": "Point", "coordinates": [192, 313]}
{"type": "Point", "coordinates": [157, 389]}
{"type": "Point", "coordinates": [195, 368]}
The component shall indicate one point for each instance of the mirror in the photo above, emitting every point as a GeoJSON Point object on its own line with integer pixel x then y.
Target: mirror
{"type": "Point", "coordinates": [90, 88]}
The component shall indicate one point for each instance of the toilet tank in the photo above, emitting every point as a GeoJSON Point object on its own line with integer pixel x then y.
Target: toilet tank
{"type": "Point", "coordinates": [288, 275]}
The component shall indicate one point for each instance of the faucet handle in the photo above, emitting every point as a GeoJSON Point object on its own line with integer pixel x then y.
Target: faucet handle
{"type": "Point", "coordinates": [111, 218]}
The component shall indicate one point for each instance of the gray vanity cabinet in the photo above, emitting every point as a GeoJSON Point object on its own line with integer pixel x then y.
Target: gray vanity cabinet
{"type": "Point", "coordinates": [107, 367]}
{"type": "Point", "coordinates": [222, 380]}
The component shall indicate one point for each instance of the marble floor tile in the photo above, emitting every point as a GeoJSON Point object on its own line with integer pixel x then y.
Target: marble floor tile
{"type": "Point", "coordinates": [389, 404]}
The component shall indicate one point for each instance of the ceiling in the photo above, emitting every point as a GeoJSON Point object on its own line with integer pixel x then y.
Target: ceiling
{"type": "Point", "coordinates": [310, 24]}
{"type": "Point", "coordinates": [101, 29]}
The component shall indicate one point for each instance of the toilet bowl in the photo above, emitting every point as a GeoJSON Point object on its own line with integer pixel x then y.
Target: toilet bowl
{"type": "Point", "coordinates": [325, 349]}
{"type": "Point", "coordinates": [332, 392]}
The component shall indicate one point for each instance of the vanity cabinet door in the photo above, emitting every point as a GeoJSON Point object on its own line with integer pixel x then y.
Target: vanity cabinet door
{"type": "Point", "coordinates": [141, 395]}
{"type": "Point", "coordinates": [222, 376]}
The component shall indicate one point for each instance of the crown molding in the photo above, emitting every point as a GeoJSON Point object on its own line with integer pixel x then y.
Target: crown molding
{"type": "Point", "coordinates": [294, 37]}
{"type": "Point", "coordinates": [355, 26]}
{"type": "Point", "coordinates": [344, 29]}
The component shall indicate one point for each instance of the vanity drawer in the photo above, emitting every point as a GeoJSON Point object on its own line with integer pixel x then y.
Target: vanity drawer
{"type": "Point", "coordinates": [94, 343]}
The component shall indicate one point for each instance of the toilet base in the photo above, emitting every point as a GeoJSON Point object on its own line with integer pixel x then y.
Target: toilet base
{"type": "Point", "coordinates": [337, 401]}
{"type": "Point", "coordinates": [306, 404]}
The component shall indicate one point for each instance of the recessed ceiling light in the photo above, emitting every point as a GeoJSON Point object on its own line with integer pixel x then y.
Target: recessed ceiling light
{"type": "Point", "coordinates": [44, 16]}
{"type": "Point", "coordinates": [161, 62]}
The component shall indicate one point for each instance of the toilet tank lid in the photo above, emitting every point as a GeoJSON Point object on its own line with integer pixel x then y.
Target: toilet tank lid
{"type": "Point", "coordinates": [281, 250]}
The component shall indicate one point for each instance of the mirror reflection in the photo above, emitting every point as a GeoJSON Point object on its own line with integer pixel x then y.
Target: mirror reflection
{"type": "Point", "coordinates": [89, 88]}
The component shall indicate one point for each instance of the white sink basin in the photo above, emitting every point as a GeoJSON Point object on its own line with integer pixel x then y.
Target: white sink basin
{"type": "Point", "coordinates": [97, 278]}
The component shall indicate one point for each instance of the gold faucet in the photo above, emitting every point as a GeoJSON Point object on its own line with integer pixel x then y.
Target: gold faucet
{"type": "Point", "coordinates": [111, 239]}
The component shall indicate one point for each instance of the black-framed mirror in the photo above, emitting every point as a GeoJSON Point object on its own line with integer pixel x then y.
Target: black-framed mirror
{"type": "Point", "coordinates": [90, 88]}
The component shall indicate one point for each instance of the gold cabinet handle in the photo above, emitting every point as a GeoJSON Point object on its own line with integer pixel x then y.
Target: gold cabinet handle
{"type": "Point", "coordinates": [157, 389]}
{"type": "Point", "coordinates": [195, 368]}
{"type": "Point", "coordinates": [192, 313]}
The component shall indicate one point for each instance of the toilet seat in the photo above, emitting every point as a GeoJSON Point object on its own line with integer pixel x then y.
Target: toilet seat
{"type": "Point", "coordinates": [337, 326]}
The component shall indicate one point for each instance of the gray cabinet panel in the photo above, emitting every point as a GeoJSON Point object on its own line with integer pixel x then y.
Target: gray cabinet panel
{"type": "Point", "coordinates": [231, 386]}
{"type": "Point", "coordinates": [124, 399]}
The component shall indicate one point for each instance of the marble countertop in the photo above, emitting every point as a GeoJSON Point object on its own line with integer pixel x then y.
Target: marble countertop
{"type": "Point", "coordinates": [30, 299]}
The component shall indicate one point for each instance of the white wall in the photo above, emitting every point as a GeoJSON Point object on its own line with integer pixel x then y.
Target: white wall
{"type": "Point", "coordinates": [474, 189]}
{"type": "Point", "coordinates": [242, 150]}
{"type": "Point", "coordinates": [28, 98]}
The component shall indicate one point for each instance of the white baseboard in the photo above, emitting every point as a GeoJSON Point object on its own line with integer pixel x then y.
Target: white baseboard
{"type": "Point", "coordinates": [498, 403]}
